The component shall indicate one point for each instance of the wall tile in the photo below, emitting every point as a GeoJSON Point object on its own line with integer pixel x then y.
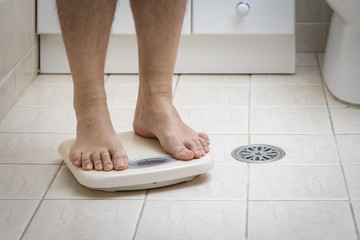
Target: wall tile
{"type": "Point", "coordinates": [26, 71]}
{"type": "Point", "coordinates": [309, 10]}
{"type": "Point", "coordinates": [7, 36]}
{"type": "Point", "coordinates": [8, 92]}
{"type": "Point", "coordinates": [25, 27]}
{"type": "Point", "coordinates": [311, 37]}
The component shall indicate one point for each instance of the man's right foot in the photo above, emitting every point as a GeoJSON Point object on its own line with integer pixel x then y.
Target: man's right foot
{"type": "Point", "coordinates": [97, 145]}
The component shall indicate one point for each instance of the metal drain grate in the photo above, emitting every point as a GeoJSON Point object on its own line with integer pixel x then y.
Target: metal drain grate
{"type": "Point", "coordinates": [258, 153]}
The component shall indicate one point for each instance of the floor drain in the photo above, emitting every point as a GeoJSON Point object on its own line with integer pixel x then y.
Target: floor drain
{"type": "Point", "coordinates": [258, 153]}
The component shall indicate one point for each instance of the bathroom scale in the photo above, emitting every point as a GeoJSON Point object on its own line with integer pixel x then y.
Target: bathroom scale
{"type": "Point", "coordinates": [149, 167]}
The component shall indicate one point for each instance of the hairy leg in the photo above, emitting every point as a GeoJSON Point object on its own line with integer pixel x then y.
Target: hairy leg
{"type": "Point", "coordinates": [158, 26]}
{"type": "Point", "coordinates": [86, 26]}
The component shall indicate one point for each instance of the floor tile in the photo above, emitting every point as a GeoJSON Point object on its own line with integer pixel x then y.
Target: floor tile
{"type": "Point", "coordinates": [15, 215]}
{"type": "Point", "coordinates": [304, 75]}
{"type": "Point", "coordinates": [52, 79]}
{"type": "Point", "coordinates": [192, 220]}
{"type": "Point", "coordinates": [132, 80]}
{"type": "Point", "coordinates": [289, 121]}
{"type": "Point", "coordinates": [84, 219]}
{"type": "Point", "coordinates": [65, 186]}
{"type": "Point", "coordinates": [25, 181]}
{"type": "Point", "coordinates": [51, 120]}
{"type": "Point", "coordinates": [222, 80]}
{"type": "Point", "coordinates": [118, 95]}
{"type": "Point", "coordinates": [353, 178]}
{"type": "Point", "coordinates": [216, 96]}
{"type": "Point", "coordinates": [47, 96]}
{"type": "Point", "coordinates": [356, 207]}
{"type": "Point", "coordinates": [122, 118]}
{"type": "Point", "coordinates": [216, 120]}
{"type": "Point", "coordinates": [306, 59]}
{"type": "Point", "coordinates": [346, 120]}
{"type": "Point", "coordinates": [349, 148]}
{"type": "Point", "coordinates": [298, 220]}
{"type": "Point", "coordinates": [321, 58]}
{"type": "Point", "coordinates": [283, 96]}
{"type": "Point", "coordinates": [296, 182]}
{"type": "Point", "coordinates": [333, 101]}
{"type": "Point", "coordinates": [221, 183]}
{"type": "Point", "coordinates": [221, 147]}
{"type": "Point", "coordinates": [31, 148]}
{"type": "Point", "coordinates": [302, 149]}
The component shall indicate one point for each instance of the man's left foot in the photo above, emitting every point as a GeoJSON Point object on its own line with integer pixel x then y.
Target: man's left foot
{"type": "Point", "coordinates": [158, 118]}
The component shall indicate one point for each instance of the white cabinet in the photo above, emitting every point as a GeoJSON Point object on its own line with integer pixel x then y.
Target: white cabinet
{"type": "Point", "coordinates": [215, 38]}
{"type": "Point", "coordinates": [48, 23]}
{"type": "Point", "coordinates": [264, 17]}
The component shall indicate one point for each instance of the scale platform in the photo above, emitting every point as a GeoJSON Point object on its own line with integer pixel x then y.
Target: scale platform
{"type": "Point", "coordinates": [149, 167]}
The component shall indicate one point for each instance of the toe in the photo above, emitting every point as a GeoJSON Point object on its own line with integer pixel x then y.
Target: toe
{"type": "Point", "coordinates": [183, 153]}
{"type": "Point", "coordinates": [106, 159]}
{"type": "Point", "coordinates": [120, 160]}
{"type": "Point", "coordinates": [204, 145]}
{"type": "Point", "coordinates": [75, 157]}
{"type": "Point", "coordinates": [193, 146]}
{"type": "Point", "coordinates": [86, 162]}
{"type": "Point", "coordinates": [206, 137]}
{"type": "Point", "coordinates": [200, 148]}
{"type": "Point", "coordinates": [95, 157]}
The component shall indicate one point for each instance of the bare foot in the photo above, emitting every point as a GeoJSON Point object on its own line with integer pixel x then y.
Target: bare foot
{"type": "Point", "coordinates": [158, 118]}
{"type": "Point", "coordinates": [97, 146]}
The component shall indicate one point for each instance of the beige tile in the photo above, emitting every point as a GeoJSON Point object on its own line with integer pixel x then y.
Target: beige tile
{"type": "Point", "coordinates": [221, 147]}
{"type": "Point", "coordinates": [302, 149]}
{"type": "Point", "coordinates": [346, 120]}
{"type": "Point", "coordinates": [349, 148]}
{"type": "Point", "coordinates": [221, 183]}
{"type": "Point", "coordinates": [84, 219]}
{"type": "Point", "coordinates": [52, 120]}
{"type": "Point", "coordinates": [320, 56]}
{"type": "Point", "coordinates": [31, 148]}
{"type": "Point", "coordinates": [311, 37]}
{"type": "Point", "coordinates": [305, 75]}
{"type": "Point", "coordinates": [123, 80]}
{"type": "Point", "coordinates": [215, 96]}
{"type": "Point", "coordinates": [8, 18]}
{"type": "Point", "coordinates": [25, 26]}
{"type": "Point", "coordinates": [122, 118]}
{"type": "Point", "coordinates": [298, 220]}
{"type": "Point", "coordinates": [333, 101]}
{"type": "Point", "coordinates": [47, 96]}
{"type": "Point", "coordinates": [327, 12]}
{"type": "Point", "coordinates": [25, 181]}
{"type": "Point", "coordinates": [120, 96]}
{"type": "Point", "coordinates": [296, 182]}
{"type": "Point", "coordinates": [353, 177]}
{"type": "Point", "coordinates": [284, 96]}
{"type": "Point", "coordinates": [222, 80]}
{"type": "Point", "coordinates": [309, 10]}
{"type": "Point", "coordinates": [15, 215]}
{"type": "Point", "coordinates": [8, 91]}
{"type": "Point", "coordinates": [65, 186]}
{"type": "Point", "coordinates": [55, 79]}
{"type": "Point", "coordinates": [26, 71]}
{"type": "Point", "coordinates": [132, 80]}
{"type": "Point", "coordinates": [192, 220]}
{"type": "Point", "coordinates": [306, 59]}
{"type": "Point", "coordinates": [289, 121]}
{"type": "Point", "coordinates": [216, 120]}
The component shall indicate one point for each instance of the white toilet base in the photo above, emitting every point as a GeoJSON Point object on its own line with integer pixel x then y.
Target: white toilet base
{"type": "Point", "coordinates": [341, 68]}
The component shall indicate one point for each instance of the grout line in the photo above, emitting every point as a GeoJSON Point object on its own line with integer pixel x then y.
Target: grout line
{"type": "Point", "coordinates": [42, 199]}
{"type": "Point", "coordinates": [140, 214]}
{"type": "Point", "coordinates": [248, 165]}
{"type": "Point", "coordinates": [338, 151]}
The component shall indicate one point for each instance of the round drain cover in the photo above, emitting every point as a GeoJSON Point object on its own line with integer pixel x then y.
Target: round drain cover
{"type": "Point", "coordinates": [258, 153]}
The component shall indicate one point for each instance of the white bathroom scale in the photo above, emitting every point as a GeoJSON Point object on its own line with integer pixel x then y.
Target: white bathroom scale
{"type": "Point", "coordinates": [149, 167]}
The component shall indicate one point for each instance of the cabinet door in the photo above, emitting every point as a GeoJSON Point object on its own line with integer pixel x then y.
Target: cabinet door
{"type": "Point", "coordinates": [264, 17]}
{"type": "Point", "coordinates": [48, 23]}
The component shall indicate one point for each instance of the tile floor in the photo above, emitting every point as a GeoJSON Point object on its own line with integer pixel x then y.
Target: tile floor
{"type": "Point", "coordinates": [313, 193]}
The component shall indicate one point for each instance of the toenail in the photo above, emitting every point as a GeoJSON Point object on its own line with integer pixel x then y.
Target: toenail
{"type": "Point", "coordinates": [76, 162]}
{"type": "Point", "coordinates": [99, 165]}
{"type": "Point", "coordinates": [108, 165]}
{"type": "Point", "coordinates": [87, 165]}
{"type": "Point", "coordinates": [202, 152]}
{"type": "Point", "coordinates": [206, 148]}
